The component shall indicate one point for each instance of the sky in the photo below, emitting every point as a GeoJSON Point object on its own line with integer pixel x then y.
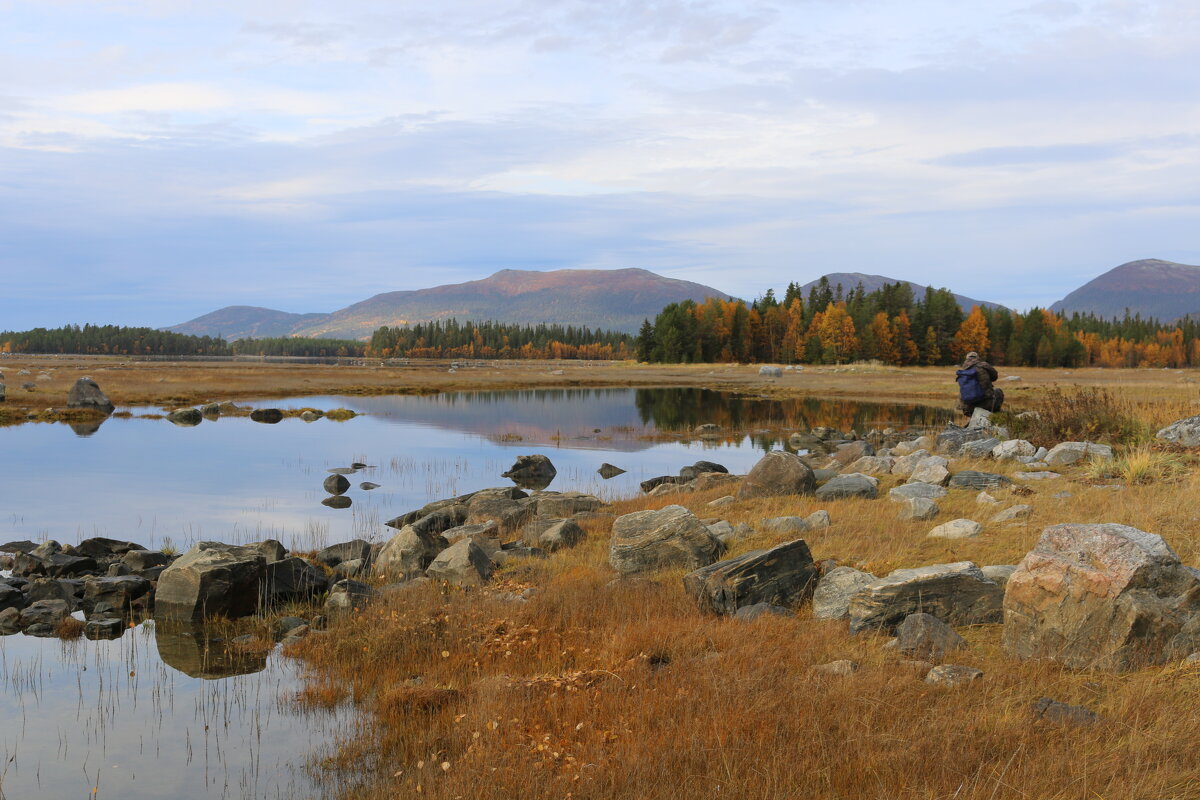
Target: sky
{"type": "Point", "coordinates": [160, 159]}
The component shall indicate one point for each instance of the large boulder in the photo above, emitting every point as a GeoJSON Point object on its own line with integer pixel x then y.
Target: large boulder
{"type": "Point", "coordinates": [1068, 453]}
{"type": "Point", "coordinates": [353, 550]}
{"type": "Point", "coordinates": [670, 537]}
{"type": "Point", "coordinates": [566, 504]}
{"type": "Point", "coordinates": [951, 440]}
{"type": "Point", "coordinates": [1102, 596]}
{"type": "Point", "coordinates": [410, 552]}
{"type": "Point", "coordinates": [776, 474]}
{"type": "Point", "coordinates": [958, 594]}
{"type": "Point", "coordinates": [293, 579]}
{"type": "Point", "coordinates": [510, 515]}
{"type": "Point", "coordinates": [933, 470]}
{"type": "Point", "coordinates": [1184, 432]}
{"type": "Point", "coordinates": [210, 579]}
{"type": "Point", "coordinates": [463, 563]}
{"type": "Point", "coordinates": [532, 471]}
{"type": "Point", "coordinates": [783, 576]}
{"type": "Point", "coordinates": [843, 486]}
{"type": "Point", "coordinates": [852, 451]}
{"type": "Point", "coordinates": [86, 394]}
{"type": "Point", "coordinates": [114, 596]}
{"type": "Point", "coordinates": [831, 598]}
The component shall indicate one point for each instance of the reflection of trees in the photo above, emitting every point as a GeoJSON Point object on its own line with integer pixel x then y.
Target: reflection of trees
{"type": "Point", "coordinates": [680, 409]}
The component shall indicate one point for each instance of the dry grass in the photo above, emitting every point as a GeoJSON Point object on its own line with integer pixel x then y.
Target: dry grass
{"type": "Point", "coordinates": [603, 688]}
{"type": "Point", "coordinates": [69, 628]}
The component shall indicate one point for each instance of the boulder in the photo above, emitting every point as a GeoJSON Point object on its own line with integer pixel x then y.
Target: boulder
{"type": "Point", "coordinates": [185, 417]}
{"type": "Point", "coordinates": [951, 440]}
{"type": "Point", "coordinates": [1012, 449]}
{"type": "Point", "coordinates": [271, 549]}
{"type": "Point", "coordinates": [86, 394]}
{"type": "Point", "coordinates": [293, 578]}
{"type": "Point", "coordinates": [979, 449]}
{"type": "Point", "coordinates": [410, 552]}
{"type": "Point", "coordinates": [99, 547]}
{"type": "Point", "coordinates": [784, 576]}
{"type": "Point", "coordinates": [980, 418]}
{"type": "Point", "coordinates": [106, 597]}
{"type": "Point", "coordinates": [463, 564]}
{"type": "Point", "coordinates": [852, 451]}
{"type": "Point", "coordinates": [211, 579]}
{"type": "Point", "coordinates": [510, 515]}
{"type": "Point", "coordinates": [670, 537]}
{"type": "Point", "coordinates": [532, 471]}
{"type": "Point", "coordinates": [855, 485]}
{"type": "Point", "coordinates": [1068, 453]}
{"type": "Point", "coordinates": [831, 598]}
{"type": "Point", "coordinates": [905, 465]}
{"type": "Point", "coordinates": [713, 480]}
{"type": "Point", "coordinates": [355, 549]}
{"type": "Point", "coordinates": [872, 465]}
{"type": "Point", "coordinates": [918, 509]}
{"type": "Point", "coordinates": [770, 372]}
{"type": "Point", "coordinates": [985, 499]}
{"type": "Point", "coordinates": [1012, 513]}
{"type": "Point", "coordinates": [933, 470]}
{"type": "Point", "coordinates": [956, 529]}
{"type": "Point", "coordinates": [926, 637]}
{"type": "Point", "coordinates": [777, 474]}
{"type": "Point", "coordinates": [562, 535]}
{"type": "Point", "coordinates": [267, 416]}
{"type": "Point", "coordinates": [971, 479]}
{"type": "Point", "coordinates": [348, 595]}
{"type": "Point", "coordinates": [566, 504]}
{"type": "Point", "coordinates": [336, 484]}
{"type": "Point", "coordinates": [46, 613]}
{"type": "Point", "coordinates": [952, 675]}
{"type": "Point", "coordinates": [902, 494]}
{"type": "Point", "coordinates": [818, 520]}
{"type": "Point", "coordinates": [1183, 432]}
{"type": "Point", "coordinates": [1102, 596]}
{"type": "Point", "coordinates": [957, 594]}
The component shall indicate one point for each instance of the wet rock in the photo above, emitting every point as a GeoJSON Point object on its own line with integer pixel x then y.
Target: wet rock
{"type": "Point", "coordinates": [902, 494]}
{"type": "Point", "coordinates": [926, 637]}
{"type": "Point", "coordinates": [957, 594]}
{"type": "Point", "coordinates": [831, 598]}
{"type": "Point", "coordinates": [608, 471]}
{"type": "Point", "coordinates": [105, 628]}
{"type": "Point", "coordinates": [532, 471]}
{"type": "Point", "coordinates": [918, 509]}
{"type": "Point", "coordinates": [956, 529]}
{"type": "Point", "coordinates": [1054, 711]}
{"type": "Point", "coordinates": [855, 485]}
{"type": "Point", "coordinates": [1012, 513]}
{"type": "Point", "coordinates": [211, 579]}
{"type": "Point", "coordinates": [185, 417]}
{"type": "Point", "coordinates": [971, 479]}
{"type": "Point", "coordinates": [336, 484]}
{"type": "Point", "coordinates": [348, 595]}
{"type": "Point", "coordinates": [267, 416]}
{"type": "Point", "coordinates": [783, 575]}
{"type": "Point", "coordinates": [189, 649]}
{"type": "Point", "coordinates": [777, 474]}
{"type": "Point", "coordinates": [1102, 596]}
{"type": "Point", "coordinates": [952, 675]}
{"type": "Point", "coordinates": [86, 394]}
{"type": "Point", "coordinates": [1068, 453]}
{"type": "Point", "coordinates": [670, 537]}
{"type": "Point", "coordinates": [293, 578]}
{"type": "Point", "coordinates": [308, 415]}
{"type": "Point", "coordinates": [463, 564]}
{"type": "Point", "coordinates": [753, 612]}
{"type": "Point", "coordinates": [211, 410]}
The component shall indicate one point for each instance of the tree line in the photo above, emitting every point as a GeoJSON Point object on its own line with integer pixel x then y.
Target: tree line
{"type": "Point", "coordinates": [892, 326]}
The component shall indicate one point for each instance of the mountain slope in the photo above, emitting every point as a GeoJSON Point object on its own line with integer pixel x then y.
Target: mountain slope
{"type": "Point", "coordinates": [872, 283]}
{"type": "Point", "coordinates": [245, 322]}
{"type": "Point", "coordinates": [1151, 287]}
{"type": "Point", "coordinates": [610, 299]}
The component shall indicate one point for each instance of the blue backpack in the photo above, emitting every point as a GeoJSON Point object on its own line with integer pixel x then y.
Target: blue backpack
{"type": "Point", "coordinates": [969, 389]}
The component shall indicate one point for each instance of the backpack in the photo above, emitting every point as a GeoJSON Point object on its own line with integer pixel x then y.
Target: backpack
{"type": "Point", "coordinates": [970, 390]}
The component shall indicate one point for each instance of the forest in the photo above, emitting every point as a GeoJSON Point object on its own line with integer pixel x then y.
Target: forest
{"type": "Point", "coordinates": [892, 326]}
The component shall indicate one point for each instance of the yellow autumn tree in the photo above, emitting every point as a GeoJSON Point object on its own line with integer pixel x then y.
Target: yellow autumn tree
{"type": "Point", "coordinates": [972, 336]}
{"type": "Point", "coordinates": [885, 340]}
{"type": "Point", "coordinates": [839, 339]}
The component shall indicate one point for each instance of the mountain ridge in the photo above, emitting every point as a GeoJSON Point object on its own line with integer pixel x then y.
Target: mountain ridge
{"type": "Point", "coordinates": [872, 283]}
{"type": "Point", "coordinates": [1152, 287]}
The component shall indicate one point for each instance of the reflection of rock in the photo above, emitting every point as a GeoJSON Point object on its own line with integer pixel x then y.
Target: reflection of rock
{"type": "Point", "coordinates": [531, 472]}
{"type": "Point", "coordinates": [185, 417]}
{"type": "Point", "coordinates": [609, 471]}
{"type": "Point", "coordinates": [86, 429]}
{"type": "Point", "coordinates": [187, 649]}
{"type": "Point", "coordinates": [268, 415]}
{"type": "Point", "coordinates": [337, 501]}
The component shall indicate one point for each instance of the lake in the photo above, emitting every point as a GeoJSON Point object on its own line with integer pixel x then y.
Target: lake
{"type": "Point", "coordinates": [157, 713]}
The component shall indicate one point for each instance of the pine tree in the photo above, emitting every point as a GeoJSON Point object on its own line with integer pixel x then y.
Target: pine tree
{"type": "Point", "coordinates": [645, 342]}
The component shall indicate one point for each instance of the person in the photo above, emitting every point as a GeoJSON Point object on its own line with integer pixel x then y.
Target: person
{"type": "Point", "coordinates": [975, 389]}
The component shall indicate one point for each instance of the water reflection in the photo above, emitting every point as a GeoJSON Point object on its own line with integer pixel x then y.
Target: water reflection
{"type": "Point", "coordinates": [195, 652]}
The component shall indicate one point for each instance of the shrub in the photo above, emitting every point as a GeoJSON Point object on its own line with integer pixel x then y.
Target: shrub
{"type": "Point", "coordinates": [1084, 413]}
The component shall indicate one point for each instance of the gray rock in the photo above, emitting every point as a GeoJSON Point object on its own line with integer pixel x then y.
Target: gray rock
{"type": "Point", "coordinates": [142, 560]}
{"type": "Point", "coordinates": [670, 537]}
{"type": "Point", "coordinates": [267, 416]}
{"type": "Point", "coordinates": [735, 534]}
{"type": "Point", "coordinates": [905, 465]}
{"type": "Point", "coordinates": [211, 579]}
{"type": "Point", "coordinates": [952, 675]}
{"type": "Point", "coordinates": [1183, 432]}
{"type": "Point", "coordinates": [114, 596]}
{"type": "Point", "coordinates": [818, 520]}
{"type": "Point", "coordinates": [1012, 449]}
{"type": "Point", "coordinates": [853, 451]}
{"type": "Point", "coordinates": [309, 415]}
{"type": "Point", "coordinates": [842, 668]}
{"type": "Point", "coordinates": [463, 564]}
{"type": "Point", "coordinates": [783, 575]}
{"type": "Point", "coordinates": [1054, 711]}
{"type": "Point", "coordinates": [1102, 596]}
{"type": "Point", "coordinates": [971, 479]}
{"type": "Point", "coordinates": [770, 372]}
{"type": "Point", "coordinates": [337, 501]}
{"type": "Point", "coordinates": [956, 529]}
{"type": "Point", "coordinates": [985, 499]}
{"type": "Point", "coordinates": [978, 449]}
{"type": "Point", "coordinates": [999, 573]}
{"type": "Point", "coordinates": [532, 472]}
{"type": "Point", "coordinates": [336, 484]}
{"type": "Point", "coordinates": [294, 578]}
{"type": "Point", "coordinates": [980, 418]}
{"type": "Point", "coordinates": [785, 525]}
{"type": "Point", "coordinates": [346, 596]}
{"type": "Point", "coordinates": [104, 628]}
{"type": "Point", "coordinates": [563, 535]}
{"type": "Point", "coordinates": [778, 474]}
{"type": "Point", "coordinates": [86, 394]}
{"type": "Point", "coordinates": [952, 439]}
{"type": "Point", "coordinates": [918, 509]}
{"type": "Point", "coordinates": [367, 486]}
{"type": "Point", "coordinates": [902, 494]}
{"type": "Point", "coordinates": [566, 504]}
{"type": "Point", "coordinates": [872, 465]}
{"type": "Point", "coordinates": [11, 597]}
{"type": "Point", "coordinates": [1068, 453]}
{"type": "Point", "coordinates": [185, 417]}
{"type": "Point", "coordinates": [932, 470]}
{"type": "Point", "coordinates": [856, 485]}
{"type": "Point", "coordinates": [721, 502]}
{"type": "Point", "coordinates": [410, 552]}
{"type": "Point", "coordinates": [753, 612]}
{"type": "Point", "coordinates": [1013, 513]}
{"type": "Point", "coordinates": [1035, 476]}
{"type": "Point", "coordinates": [355, 549]}
{"type": "Point", "coordinates": [44, 612]}
{"type": "Point", "coordinates": [957, 594]}
{"type": "Point", "coordinates": [831, 598]}
{"type": "Point", "coordinates": [926, 637]}
{"type": "Point", "coordinates": [510, 515]}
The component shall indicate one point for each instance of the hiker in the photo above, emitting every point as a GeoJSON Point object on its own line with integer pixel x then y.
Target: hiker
{"type": "Point", "coordinates": [975, 388]}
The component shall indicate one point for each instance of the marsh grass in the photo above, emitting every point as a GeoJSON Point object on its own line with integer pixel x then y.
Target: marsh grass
{"type": "Point", "coordinates": [1089, 413]}
{"type": "Point", "coordinates": [69, 628]}
{"type": "Point", "coordinates": [1143, 464]}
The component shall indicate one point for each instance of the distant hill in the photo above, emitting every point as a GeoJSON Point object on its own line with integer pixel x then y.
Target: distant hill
{"type": "Point", "coordinates": [1151, 287]}
{"type": "Point", "coordinates": [611, 299]}
{"type": "Point", "coordinates": [872, 283]}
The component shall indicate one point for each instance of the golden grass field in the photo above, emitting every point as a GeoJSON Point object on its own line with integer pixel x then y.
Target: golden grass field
{"type": "Point", "coordinates": [612, 689]}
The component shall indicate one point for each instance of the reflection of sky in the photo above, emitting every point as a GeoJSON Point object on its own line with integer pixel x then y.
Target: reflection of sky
{"type": "Point", "coordinates": [111, 715]}
{"type": "Point", "coordinates": [237, 480]}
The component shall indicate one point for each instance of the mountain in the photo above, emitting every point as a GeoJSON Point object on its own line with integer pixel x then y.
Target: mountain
{"type": "Point", "coordinates": [611, 299]}
{"type": "Point", "coordinates": [245, 322]}
{"type": "Point", "coordinates": [1150, 287]}
{"type": "Point", "coordinates": [872, 283]}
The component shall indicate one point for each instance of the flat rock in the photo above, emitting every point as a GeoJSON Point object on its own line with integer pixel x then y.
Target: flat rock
{"type": "Point", "coordinates": [902, 494]}
{"type": "Point", "coordinates": [972, 479]}
{"type": "Point", "coordinates": [831, 598]}
{"type": "Point", "coordinates": [854, 485]}
{"type": "Point", "coordinates": [1068, 453]}
{"type": "Point", "coordinates": [669, 537]}
{"type": "Point", "coordinates": [783, 576]}
{"type": "Point", "coordinates": [1035, 476]}
{"type": "Point", "coordinates": [1013, 513]}
{"type": "Point", "coordinates": [956, 593]}
{"type": "Point", "coordinates": [952, 675]}
{"type": "Point", "coordinates": [784, 525]}
{"type": "Point", "coordinates": [956, 529]}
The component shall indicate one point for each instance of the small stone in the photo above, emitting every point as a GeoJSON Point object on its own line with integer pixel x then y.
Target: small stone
{"type": "Point", "coordinates": [956, 529]}
{"type": "Point", "coordinates": [841, 668]}
{"type": "Point", "coordinates": [753, 612]}
{"type": "Point", "coordinates": [918, 509]}
{"type": "Point", "coordinates": [952, 675]}
{"type": "Point", "coordinates": [1035, 476]}
{"type": "Point", "coordinates": [336, 484]}
{"type": "Point", "coordinates": [1054, 711]}
{"type": "Point", "coordinates": [720, 502]}
{"type": "Point", "coordinates": [367, 486]}
{"type": "Point", "coordinates": [926, 637]}
{"type": "Point", "coordinates": [609, 471]}
{"type": "Point", "coordinates": [785, 525]}
{"type": "Point", "coordinates": [1013, 513]}
{"type": "Point", "coordinates": [985, 499]}
{"type": "Point", "coordinates": [818, 520]}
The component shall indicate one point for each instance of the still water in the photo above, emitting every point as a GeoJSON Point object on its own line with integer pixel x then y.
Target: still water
{"type": "Point", "coordinates": [149, 715]}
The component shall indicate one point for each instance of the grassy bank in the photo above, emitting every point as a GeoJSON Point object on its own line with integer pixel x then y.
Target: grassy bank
{"type": "Point", "coordinates": [599, 687]}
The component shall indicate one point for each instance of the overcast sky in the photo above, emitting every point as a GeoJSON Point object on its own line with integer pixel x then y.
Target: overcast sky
{"type": "Point", "coordinates": [162, 158]}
